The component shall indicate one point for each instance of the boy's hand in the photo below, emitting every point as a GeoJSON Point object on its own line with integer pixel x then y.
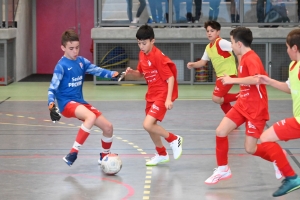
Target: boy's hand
{"type": "Point", "coordinates": [129, 70]}
{"type": "Point", "coordinates": [169, 104]}
{"type": "Point", "coordinates": [263, 79]}
{"type": "Point", "coordinates": [190, 65]}
{"type": "Point", "coordinates": [225, 79]}
{"type": "Point", "coordinates": [54, 112]}
{"type": "Point", "coordinates": [115, 74]}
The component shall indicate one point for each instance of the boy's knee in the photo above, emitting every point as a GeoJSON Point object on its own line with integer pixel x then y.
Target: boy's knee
{"type": "Point", "coordinates": [250, 149]}
{"type": "Point", "coordinates": [147, 126]}
{"type": "Point", "coordinates": [108, 130]}
{"type": "Point", "coordinates": [221, 132]}
{"type": "Point", "coordinates": [217, 100]}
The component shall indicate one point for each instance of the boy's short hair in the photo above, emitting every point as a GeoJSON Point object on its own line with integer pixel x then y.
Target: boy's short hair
{"type": "Point", "coordinates": [242, 34]}
{"type": "Point", "coordinates": [293, 38]}
{"type": "Point", "coordinates": [213, 24]}
{"type": "Point", "coordinates": [69, 36]}
{"type": "Point", "coordinates": [145, 32]}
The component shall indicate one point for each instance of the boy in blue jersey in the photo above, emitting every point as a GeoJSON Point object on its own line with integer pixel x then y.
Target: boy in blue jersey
{"type": "Point", "coordinates": [66, 88]}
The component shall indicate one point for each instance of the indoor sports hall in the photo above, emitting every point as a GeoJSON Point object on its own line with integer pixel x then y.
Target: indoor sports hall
{"type": "Point", "coordinates": [32, 147]}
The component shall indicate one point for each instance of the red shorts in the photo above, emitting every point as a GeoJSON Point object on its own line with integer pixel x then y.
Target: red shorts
{"type": "Point", "coordinates": [253, 128]}
{"type": "Point", "coordinates": [156, 109]}
{"type": "Point", "coordinates": [287, 129]}
{"type": "Point", "coordinates": [220, 89]}
{"type": "Point", "coordinates": [70, 108]}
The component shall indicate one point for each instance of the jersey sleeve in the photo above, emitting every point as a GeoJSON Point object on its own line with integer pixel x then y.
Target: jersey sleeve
{"type": "Point", "coordinates": [139, 68]}
{"type": "Point", "coordinates": [225, 45]}
{"type": "Point", "coordinates": [97, 71]}
{"type": "Point", "coordinates": [205, 56]}
{"type": "Point", "coordinates": [164, 68]}
{"type": "Point", "coordinates": [255, 67]}
{"type": "Point", "coordinates": [55, 81]}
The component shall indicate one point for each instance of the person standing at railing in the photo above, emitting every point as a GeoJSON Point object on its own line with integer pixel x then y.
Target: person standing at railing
{"type": "Point", "coordinates": [138, 13]}
{"type": "Point", "coordinates": [261, 11]}
{"type": "Point", "coordinates": [214, 6]}
{"type": "Point", "coordinates": [298, 4]}
{"type": "Point", "coordinates": [198, 7]}
{"type": "Point", "coordinates": [156, 10]}
{"type": "Point", "coordinates": [235, 9]}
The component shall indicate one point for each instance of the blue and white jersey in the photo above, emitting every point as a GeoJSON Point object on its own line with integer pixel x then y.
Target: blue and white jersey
{"type": "Point", "coordinates": [68, 77]}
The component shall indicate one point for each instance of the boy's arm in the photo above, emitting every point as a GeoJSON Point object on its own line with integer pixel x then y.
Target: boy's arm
{"type": "Point", "coordinates": [199, 63]}
{"type": "Point", "coordinates": [98, 71]}
{"type": "Point", "coordinates": [283, 86]}
{"type": "Point", "coordinates": [249, 80]}
{"type": "Point", "coordinates": [169, 103]}
{"type": "Point", "coordinates": [55, 81]}
{"type": "Point", "coordinates": [136, 73]}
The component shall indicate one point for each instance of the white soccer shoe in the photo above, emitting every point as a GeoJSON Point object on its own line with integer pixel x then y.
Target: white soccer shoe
{"type": "Point", "coordinates": [157, 159]}
{"type": "Point", "coordinates": [176, 146]}
{"type": "Point", "coordinates": [218, 175]}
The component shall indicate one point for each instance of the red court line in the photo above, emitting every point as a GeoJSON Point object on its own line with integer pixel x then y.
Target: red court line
{"type": "Point", "coordinates": [128, 187]}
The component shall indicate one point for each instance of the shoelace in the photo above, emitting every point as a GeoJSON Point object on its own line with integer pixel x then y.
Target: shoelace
{"type": "Point", "coordinates": [284, 182]}
{"type": "Point", "coordinates": [156, 155]}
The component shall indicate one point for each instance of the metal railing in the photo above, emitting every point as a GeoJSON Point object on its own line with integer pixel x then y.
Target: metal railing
{"type": "Point", "coordinates": [247, 10]}
{"type": "Point", "coordinates": [8, 13]}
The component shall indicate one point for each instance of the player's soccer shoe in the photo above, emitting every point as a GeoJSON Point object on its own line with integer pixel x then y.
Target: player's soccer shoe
{"type": "Point", "coordinates": [176, 146]}
{"type": "Point", "coordinates": [70, 158]}
{"type": "Point", "coordinates": [288, 185]}
{"type": "Point", "coordinates": [218, 175]}
{"type": "Point", "coordinates": [157, 159]}
{"type": "Point", "coordinates": [101, 157]}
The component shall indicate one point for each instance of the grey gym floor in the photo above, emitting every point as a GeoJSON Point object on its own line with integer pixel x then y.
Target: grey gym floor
{"type": "Point", "coordinates": [32, 147]}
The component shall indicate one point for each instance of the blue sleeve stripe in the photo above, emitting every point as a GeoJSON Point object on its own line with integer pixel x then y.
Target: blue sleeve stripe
{"type": "Point", "coordinates": [57, 76]}
{"type": "Point", "coordinates": [98, 71]}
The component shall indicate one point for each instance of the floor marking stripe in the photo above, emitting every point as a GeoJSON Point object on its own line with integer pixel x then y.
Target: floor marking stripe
{"type": "Point", "coordinates": [147, 184]}
{"type": "Point", "coordinates": [293, 157]}
{"type": "Point", "coordinates": [4, 100]}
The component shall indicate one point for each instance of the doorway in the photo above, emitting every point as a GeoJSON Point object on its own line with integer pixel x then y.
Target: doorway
{"type": "Point", "coordinates": [52, 19]}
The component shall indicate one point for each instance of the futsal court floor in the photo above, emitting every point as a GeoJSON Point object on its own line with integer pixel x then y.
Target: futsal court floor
{"type": "Point", "coordinates": [32, 148]}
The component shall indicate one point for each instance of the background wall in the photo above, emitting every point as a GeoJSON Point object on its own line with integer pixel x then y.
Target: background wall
{"type": "Point", "coordinates": [24, 42]}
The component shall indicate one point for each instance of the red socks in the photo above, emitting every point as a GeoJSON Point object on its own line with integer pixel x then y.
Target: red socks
{"type": "Point", "coordinates": [276, 154]}
{"type": "Point", "coordinates": [82, 135]}
{"type": "Point", "coordinates": [106, 145]}
{"type": "Point", "coordinates": [222, 148]}
{"type": "Point", "coordinates": [226, 107]}
{"type": "Point", "coordinates": [162, 151]}
{"type": "Point", "coordinates": [260, 152]}
{"type": "Point", "coordinates": [171, 137]}
{"type": "Point", "coordinates": [230, 97]}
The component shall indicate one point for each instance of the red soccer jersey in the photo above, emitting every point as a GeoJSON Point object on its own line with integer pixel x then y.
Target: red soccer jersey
{"type": "Point", "coordinates": [253, 99]}
{"type": "Point", "coordinates": [157, 68]}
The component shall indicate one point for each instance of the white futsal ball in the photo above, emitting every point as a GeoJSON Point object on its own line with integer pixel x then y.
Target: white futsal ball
{"type": "Point", "coordinates": [111, 164]}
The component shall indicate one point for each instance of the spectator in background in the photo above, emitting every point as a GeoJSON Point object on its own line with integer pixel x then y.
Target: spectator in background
{"type": "Point", "coordinates": [298, 2]}
{"type": "Point", "coordinates": [261, 11]}
{"type": "Point", "coordinates": [189, 15]}
{"type": "Point", "coordinates": [234, 9]}
{"type": "Point", "coordinates": [214, 6]}
{"type": "Point", "coordinates": [156, 10]}
{"type": "Point", "coordinates": [198, 5]}
{"type": "Point", "coordinates": [138, 13]}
